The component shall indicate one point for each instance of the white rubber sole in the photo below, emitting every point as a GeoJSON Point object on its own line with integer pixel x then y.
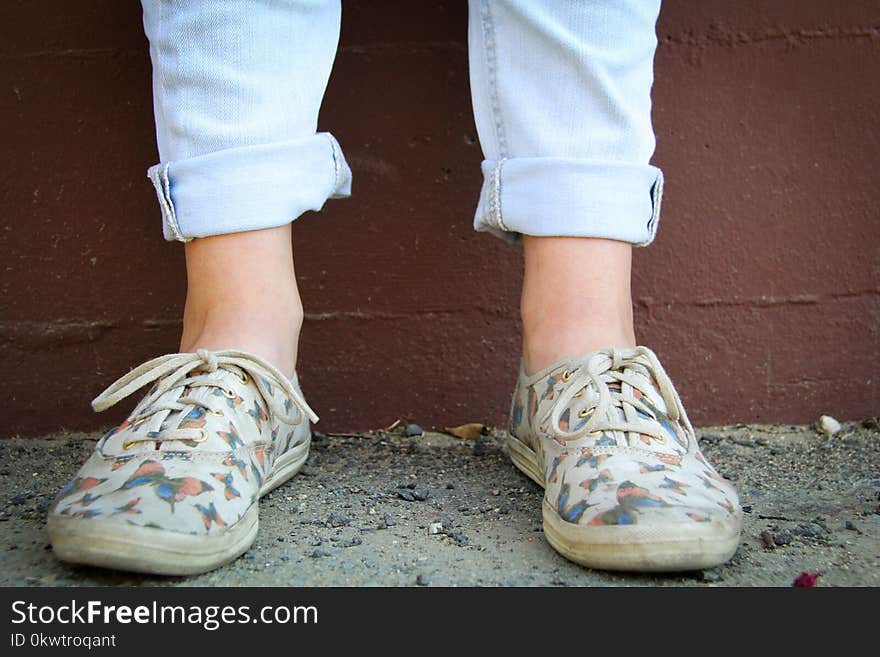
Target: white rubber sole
{"type": "Point", "coordinates": [119, 546]}
{"type": "Point", "coordinates": [630, 547]}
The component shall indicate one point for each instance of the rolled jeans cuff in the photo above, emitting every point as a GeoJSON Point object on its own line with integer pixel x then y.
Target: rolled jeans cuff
{"type": "Point", "coordinates": [249, 187]}
{"type": "Point", "coordinates": [547, 196]}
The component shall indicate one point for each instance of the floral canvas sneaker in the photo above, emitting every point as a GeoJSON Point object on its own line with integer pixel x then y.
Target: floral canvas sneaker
{"type": "Point", "coordinates": [174, 489]}
{"type": "Point", "coordinates": [626, 486]}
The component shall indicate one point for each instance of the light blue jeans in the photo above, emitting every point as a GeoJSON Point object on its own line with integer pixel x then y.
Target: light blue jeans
{"type": "Point", "coordinates": [561, 95]}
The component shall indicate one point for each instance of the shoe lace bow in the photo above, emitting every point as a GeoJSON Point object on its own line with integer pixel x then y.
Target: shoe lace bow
{"type": "Point", "coordinates": [174, 372]}
{"type": "Point", "coordinates": [619, 409]}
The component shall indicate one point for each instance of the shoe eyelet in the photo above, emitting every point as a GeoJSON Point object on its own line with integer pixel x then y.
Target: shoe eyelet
{"type": "Point", "coordinates": [243, 378]}
{"type": "Point", "coordinates": [580, 393]}
{"type": "Point", "coordinates": [585, 412]}
{"type": "Point", "coordinates": [661, 440]}
{"type": "Point", "coordinates": [139, 421]}
{"type": "Point", "coordinates": [202, 438]}
{"type": "Point", "coordinates": [128, 444]}
{"type": "Point", "coordinates": [229, 394]}
{"type": "Point", "coordinates": [214, 411]}
{"type": "Point", "coordinates": [566, 376]}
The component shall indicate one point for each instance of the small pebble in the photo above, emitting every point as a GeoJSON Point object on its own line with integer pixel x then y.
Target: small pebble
{"type": "Point", "coordinates": [480, 448]}
{"type": "Point", "coordinates": [413, 430]}
{"type": "Point", "coordinates": [338, 520]}
{"type": "Point", "coordinates": [810, 530]}
{"type": "Point", "coordinates": [435, 528]}
{"type": "Point", "coordinates": [783, 537]}
{"type": "Point", "coordinates": [389, 520]}
{"type": "Point", "coordinates": [828, 425]}
{"type": "Point", "coordinates": [820, 521]}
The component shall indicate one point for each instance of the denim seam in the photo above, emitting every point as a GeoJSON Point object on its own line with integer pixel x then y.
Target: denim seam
{"type": "Point", "coordinates": [495, 215]}
{"type": "Point", "coordinates": [490, 47]}
{"type": "Point", "coordinates": [334, 148]}
{"type": "Point", "coordinates": [162, 185]}
{"type": "Point", "coordinates": [158, 174]}
{"type": "Point", "coordinates": [163, 95]}
{"type": "Point", "coordinates": [656, 200]}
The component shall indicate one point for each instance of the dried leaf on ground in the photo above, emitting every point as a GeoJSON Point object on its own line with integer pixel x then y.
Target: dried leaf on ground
{"type": "Point", "coordinates": [469, 431]}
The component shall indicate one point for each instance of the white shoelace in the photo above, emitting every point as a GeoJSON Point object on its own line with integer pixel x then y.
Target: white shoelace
{"type": "Point", "coordinates": [633, 367]}
{"type": "Point", "coordinates": [171, 371]}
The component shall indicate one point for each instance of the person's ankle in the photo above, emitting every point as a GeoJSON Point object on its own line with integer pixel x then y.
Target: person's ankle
{"type": "Point", "coordinates": [576, 298]}
{"type": "Point", "coordinates": [270, 331]}
{"type": "Point", "coordinates": [549, 338]}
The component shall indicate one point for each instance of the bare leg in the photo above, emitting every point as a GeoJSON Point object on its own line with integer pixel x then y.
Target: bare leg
{"type": "Point", "coordinates": [242, 294]}
{"type": "Point", "coordinates": [575, 299]}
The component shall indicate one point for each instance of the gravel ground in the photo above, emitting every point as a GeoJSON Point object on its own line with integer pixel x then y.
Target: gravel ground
{"type": "Point", "coordinates": [386, 509]}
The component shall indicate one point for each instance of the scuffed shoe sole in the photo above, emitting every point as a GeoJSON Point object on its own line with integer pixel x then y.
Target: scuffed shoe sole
{"type": "Point", "coordinates": [630, 547]}
{"type": "Point", "coordinates": [121, 546]}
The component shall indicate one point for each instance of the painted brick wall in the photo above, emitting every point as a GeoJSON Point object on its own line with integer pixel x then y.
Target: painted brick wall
{"type": "Point", "coordinates": [760, 293]}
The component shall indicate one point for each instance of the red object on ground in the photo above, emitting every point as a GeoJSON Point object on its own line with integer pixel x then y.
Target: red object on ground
{"type": "Point", "coordinates": [805, 580]}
